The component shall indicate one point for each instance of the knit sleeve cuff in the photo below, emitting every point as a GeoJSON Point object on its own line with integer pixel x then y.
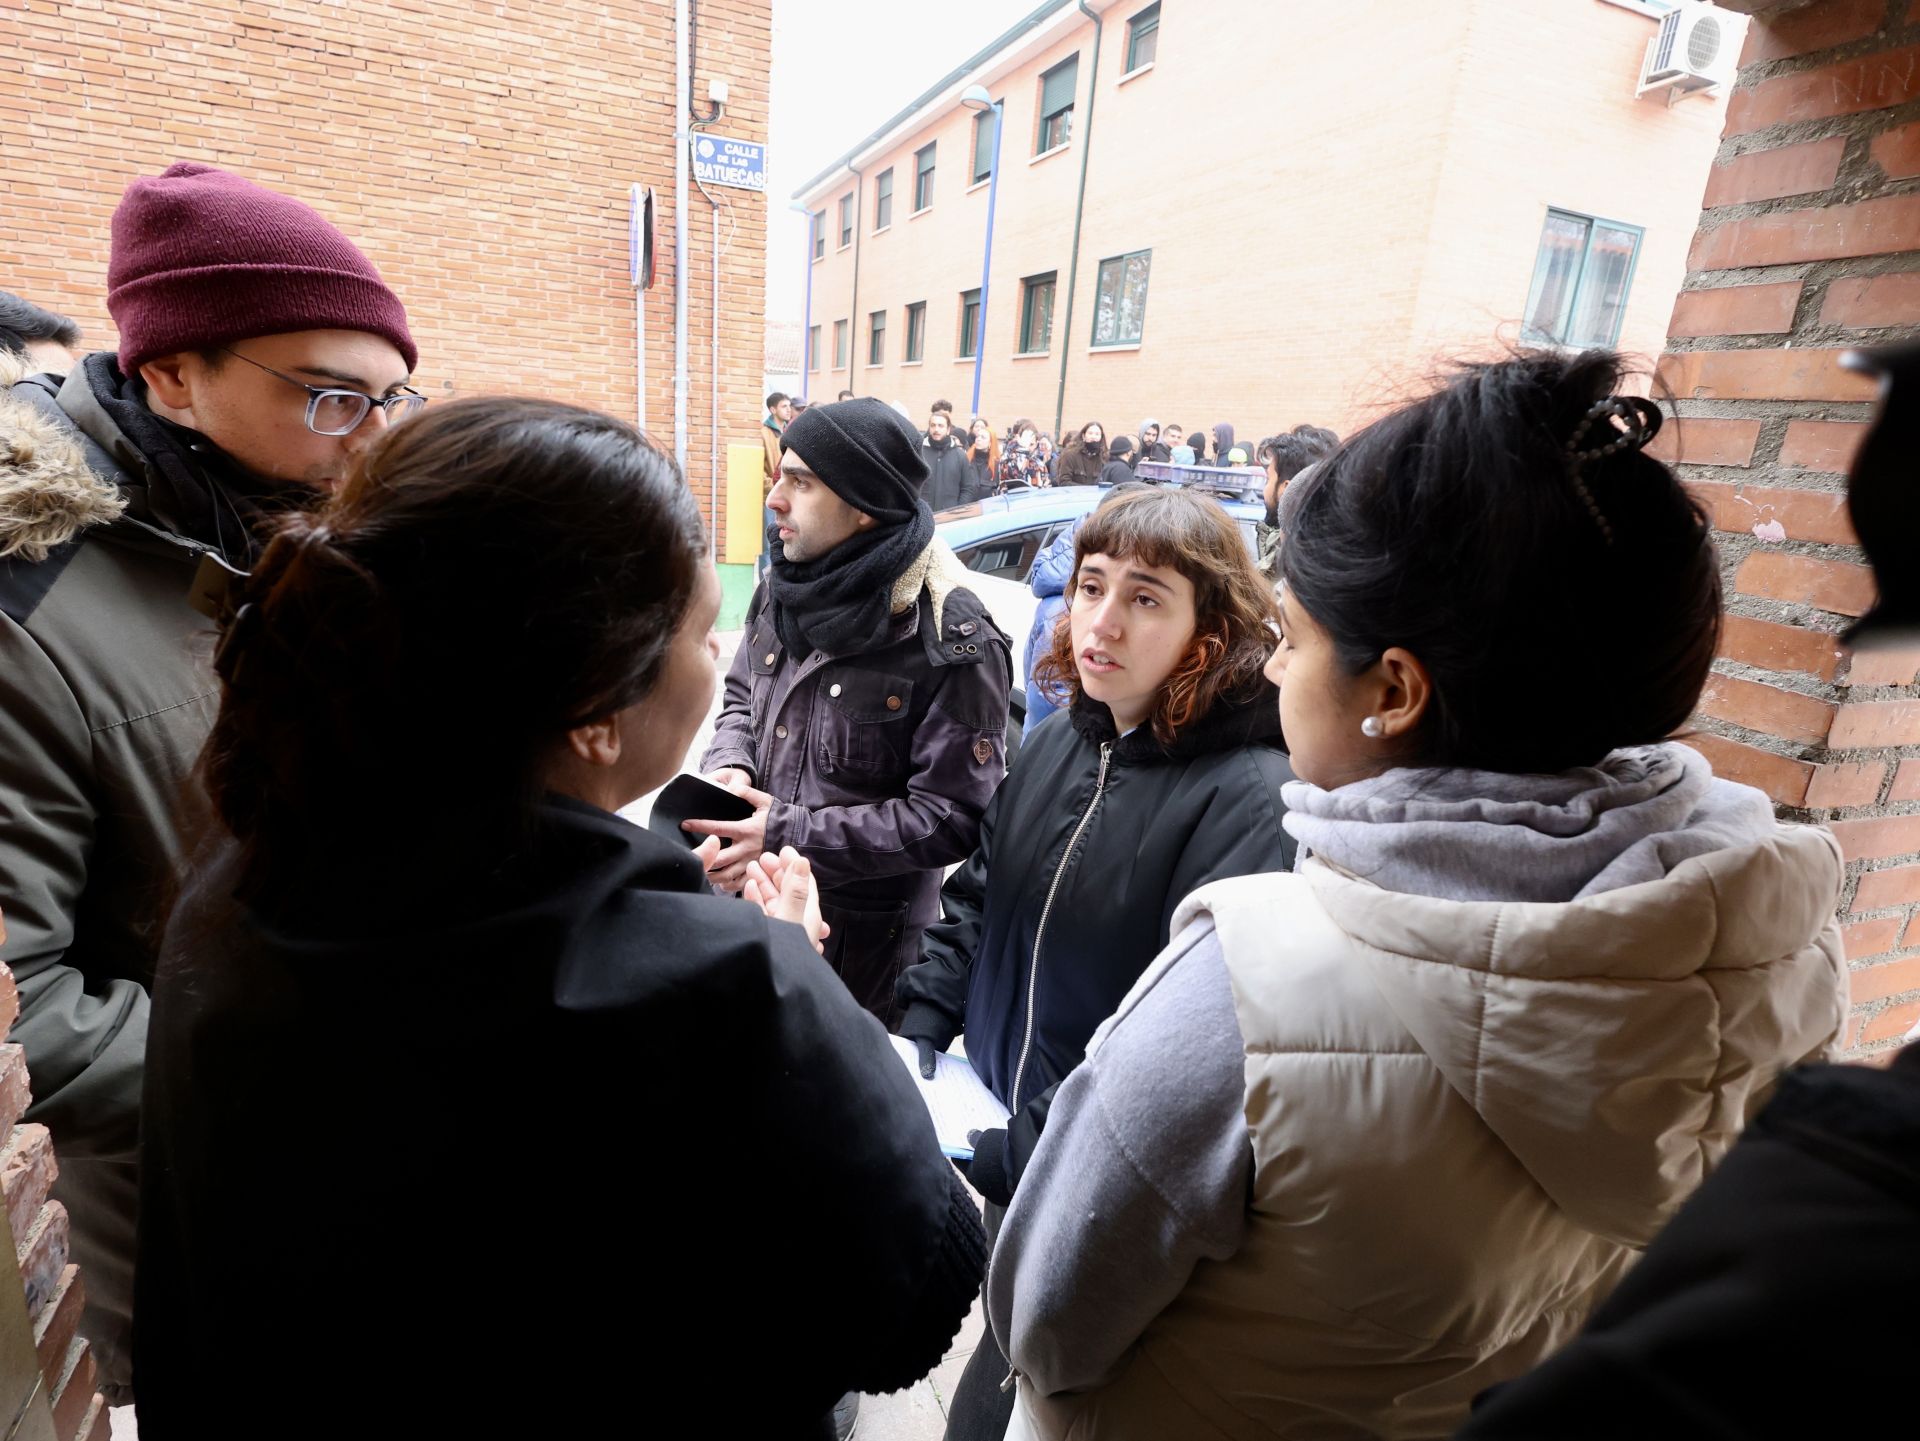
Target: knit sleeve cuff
{"type": "Point", "coordinates": [913, 1348]}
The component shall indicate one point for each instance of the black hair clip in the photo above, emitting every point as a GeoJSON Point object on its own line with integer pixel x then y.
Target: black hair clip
{"type": "Point", "coordinates": [1631, 421]}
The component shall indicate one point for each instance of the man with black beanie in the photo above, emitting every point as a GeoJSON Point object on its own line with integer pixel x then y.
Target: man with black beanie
{"type": "Point", "coordinates": [866, 710]}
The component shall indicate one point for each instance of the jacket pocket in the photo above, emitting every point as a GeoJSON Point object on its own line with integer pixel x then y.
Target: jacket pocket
{"type": "Point", "coordinates": [866, 723]}
{"type": "Point", "coordinates": [868, 949]}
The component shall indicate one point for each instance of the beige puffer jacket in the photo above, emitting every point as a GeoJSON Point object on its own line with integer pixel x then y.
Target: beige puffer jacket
{"type": "Point", "coordinates": [1466, 1118]}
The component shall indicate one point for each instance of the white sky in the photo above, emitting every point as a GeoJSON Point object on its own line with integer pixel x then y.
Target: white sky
{"type": "Point", "coordinates": [840, 68]}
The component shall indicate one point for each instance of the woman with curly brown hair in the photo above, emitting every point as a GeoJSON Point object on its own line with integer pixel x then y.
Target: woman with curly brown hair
{"type": "Point", "coordinates": [1164, 774]}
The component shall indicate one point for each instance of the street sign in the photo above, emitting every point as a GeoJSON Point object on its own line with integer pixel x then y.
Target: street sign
{"type": "Point", "coordinates": [741, 164]}
{"type": "Point", "coordinates": [640, 236]}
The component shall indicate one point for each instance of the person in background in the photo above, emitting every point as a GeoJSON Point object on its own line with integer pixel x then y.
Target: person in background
{"type": "Point", "coordinates": [1540, 959]}
{"type": "Point", "coordinates": [843, 395]}
{"type": "Point", "coordinates": [866, 710]}
{"type": "Point", "coordinates": [1223, 444]}
{"type": "Point", "coordinates": [1119, 467]}
{"type": "Point", "coordinates": [950, 479]}
{"type": "Point", "coordinates": [799, 406]}
{"type": "Point", "coordinates": [1171, 437]}
{"type": "Point", "coordinates": [46, 343]}
{"type": "Point", "coordinates": [983, 454]}
{"type": "Point", "coordinates": [779, 415]}
{"type": "Point", "coordinates": [1049, 456]}
{"type": "Point", "coordinates": [1150, 446]}
{"type": "Point", "coordinates": [1080, 463]}
{"type": "Point", "coordinates": [1020, 466]}
{"type": "Point", "coordinates": [1288, 457]}
{"type": "Point", "coordinates": [1318, 435]}
{"type": "Point", "coordinates": [260, 354]}
{"type": "Point", "coordinates": [1197, 439]}
{"type": "Point", "coordinates": [1165, 773]}
{"type": "Point", "coordinates": [574, 964]}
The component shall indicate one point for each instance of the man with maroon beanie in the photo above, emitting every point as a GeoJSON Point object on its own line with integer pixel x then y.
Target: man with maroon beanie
{"type": "Point", "coordinates": [260, 354]}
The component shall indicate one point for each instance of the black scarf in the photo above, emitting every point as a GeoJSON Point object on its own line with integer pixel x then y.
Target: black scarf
{"type": "Point", "coordinates": [191, 487]}
{"type": "Point", "coordinates": [841, 602]}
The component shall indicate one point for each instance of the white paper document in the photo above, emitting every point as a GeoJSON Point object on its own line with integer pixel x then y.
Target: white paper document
{"type": "Point", "coordinates": [956, 1099]}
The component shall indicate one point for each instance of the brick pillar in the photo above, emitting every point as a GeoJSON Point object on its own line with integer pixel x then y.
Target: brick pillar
{"type": "Point", "coordinates": [1809, 243]}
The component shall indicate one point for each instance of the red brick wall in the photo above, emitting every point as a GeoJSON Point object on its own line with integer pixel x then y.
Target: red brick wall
{"type": "Point", "coordinates": [1809, 244]}
{"type": "Point", "coordinates": [480, 155]}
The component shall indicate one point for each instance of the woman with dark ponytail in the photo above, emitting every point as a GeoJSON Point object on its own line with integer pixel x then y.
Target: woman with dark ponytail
{"type": "Point", "coordinates": [1374, 1135]}
{"type": "Point", "coordinates": [456, 1079]}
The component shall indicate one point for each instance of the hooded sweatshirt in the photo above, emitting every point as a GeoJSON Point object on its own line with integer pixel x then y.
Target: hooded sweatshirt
{"type": "Point", "coordinates": [1416, 1104]}
{"type": "Point", "coordinates": [1222, 442]}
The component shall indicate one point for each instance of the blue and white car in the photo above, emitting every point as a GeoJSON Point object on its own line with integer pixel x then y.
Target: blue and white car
{"type": "Point", "coordinates": [998, 538]}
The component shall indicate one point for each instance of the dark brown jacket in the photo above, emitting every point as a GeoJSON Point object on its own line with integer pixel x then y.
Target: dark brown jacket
{"type": "Point", "coordinates": [880, 765]}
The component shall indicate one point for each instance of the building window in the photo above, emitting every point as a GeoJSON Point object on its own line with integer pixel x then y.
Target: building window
{"type": "Point", "coordinates": [877, 338]}
{"type": "Point", "coordinates": [839, 345]}
{"type": "Point", "coordinates": [813, 348]}
{"type": "Point", "coordinates": [923, 178]}
{"type": "Point", "coordinates": [1580, 281]}
{"type": "Point", "coordinates": [846, 220]}
{"type": "Point", "coordinates": [883, 200]}
{"type": "Point", "coordinates": [817, 226]}
{"type": "Point", "coordinates": [917, 331]}
{"type": "Point", "coordinates": [1036, 313]}
{"type": "Point", "coordinates": [969, 323]}
{"type": "Point", "coordinates": [983, 145]}
{"type": "Point", "coordinates": [1143, 38]}
{"type": "Point", "coordinates": [1120, 299]}
{"type": "Point", "coordinates": [1056, 105]}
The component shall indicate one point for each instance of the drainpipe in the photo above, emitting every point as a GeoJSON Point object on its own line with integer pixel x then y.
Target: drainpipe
{"type": "Point", "coordinates": [853, 305]}
{"type": "Point", "coordinates": [1079, 209]}
{"type": "Point", "coordinates": [986, 262]}
{"type": "Point", "coordinates": [682, 63]}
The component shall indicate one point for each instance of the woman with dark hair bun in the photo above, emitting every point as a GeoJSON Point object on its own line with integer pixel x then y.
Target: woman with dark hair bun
{"type": "Point", "coordinates": [1372, 1136]}
{"type": "Point", "coordinates": [455, 1077]}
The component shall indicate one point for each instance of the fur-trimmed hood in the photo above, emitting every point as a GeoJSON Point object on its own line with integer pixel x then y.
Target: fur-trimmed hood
{"type": "Point", "coordinates": [48, 492]}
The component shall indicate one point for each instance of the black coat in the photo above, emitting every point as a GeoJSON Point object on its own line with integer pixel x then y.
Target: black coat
{"type": "Point", "coordinates": [1751, 1316]}
{"type": "Point", "coordinates": [594, 1144]}
{"type": "Point", "coordinates": [951, 479]}
{"type": "Point", "coordinates": [1161, 825]}
{"type": "Point", "coordinates": [1080, 466]}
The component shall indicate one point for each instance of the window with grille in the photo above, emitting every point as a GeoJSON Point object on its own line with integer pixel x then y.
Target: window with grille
{"type": "Point", "coordinates": [1036, 312]}
{"type": "Point", "coordinates": [1056, 105]}
{"type": "Point", "coordinates": [1581, 277]}
{"type": "Point", "coordinates": [1120, 299]}
{"type": "Point", "coordinates": [1143, 38]}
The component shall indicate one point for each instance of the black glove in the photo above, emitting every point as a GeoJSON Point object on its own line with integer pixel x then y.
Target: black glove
{"type": "Point", "coordinates": [927, 1054]}
{"type": "Point", "coordinates": [987, 1171]}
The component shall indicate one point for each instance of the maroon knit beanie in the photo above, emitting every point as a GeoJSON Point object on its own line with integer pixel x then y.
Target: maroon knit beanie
{"type": "Point", "coordinates": [203, 257]}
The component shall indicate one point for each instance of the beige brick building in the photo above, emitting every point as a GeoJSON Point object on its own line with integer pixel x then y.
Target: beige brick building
{"type": "Point", "coordinates": [1261, 211]}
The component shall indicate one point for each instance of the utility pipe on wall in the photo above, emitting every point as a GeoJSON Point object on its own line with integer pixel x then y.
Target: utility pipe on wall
{"type": "Point", "coordinates": [1079, 209]}
{"type": "Point", "coordinates": [682, 63]}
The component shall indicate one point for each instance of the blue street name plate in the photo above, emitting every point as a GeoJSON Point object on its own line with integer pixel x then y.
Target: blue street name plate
{"type": "Point", "coordinates": [741, 164]}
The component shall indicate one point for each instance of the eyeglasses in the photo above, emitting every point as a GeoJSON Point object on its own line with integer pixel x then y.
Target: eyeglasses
{"type": "Point", "coordinates": [339, 412]}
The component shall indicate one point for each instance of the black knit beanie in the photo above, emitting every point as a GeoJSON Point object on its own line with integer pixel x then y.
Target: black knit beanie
{"type": "Point", "coordinates": [866, 454]}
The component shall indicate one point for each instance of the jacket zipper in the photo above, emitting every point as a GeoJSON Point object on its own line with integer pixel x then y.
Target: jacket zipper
{"type": "Point", "coordinates": [1040, 932]}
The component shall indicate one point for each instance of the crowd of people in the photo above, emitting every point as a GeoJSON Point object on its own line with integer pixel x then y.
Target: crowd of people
{"type": "Point", "coordinates": [1363, 1006]}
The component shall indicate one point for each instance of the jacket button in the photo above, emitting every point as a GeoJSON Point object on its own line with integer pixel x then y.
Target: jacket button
{"type": "Point", "coordinates": [893, 702]}
{"type": "Point", "coordinates": [780, 731]}
{"type": "Point", "coordinates": [769, 657]}
{"type": "Point", "coordinates": [833, 690]}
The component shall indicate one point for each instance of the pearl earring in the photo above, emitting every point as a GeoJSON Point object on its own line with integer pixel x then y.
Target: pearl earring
{"type": "Point", "coordinates": [1371, 728]}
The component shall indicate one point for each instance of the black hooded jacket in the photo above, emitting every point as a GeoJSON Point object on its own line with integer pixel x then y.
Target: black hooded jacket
{"type": "Point", "coordinates": [552, 1154]}
{"type": "Point", "coordinates": [1101, 837]}
{"type": "Point", "coordinates": [951, 478]}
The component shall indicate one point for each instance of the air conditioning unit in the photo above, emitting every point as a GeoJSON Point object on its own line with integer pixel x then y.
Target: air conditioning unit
{"type": "Point", "coordinates": [1695, 50]}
